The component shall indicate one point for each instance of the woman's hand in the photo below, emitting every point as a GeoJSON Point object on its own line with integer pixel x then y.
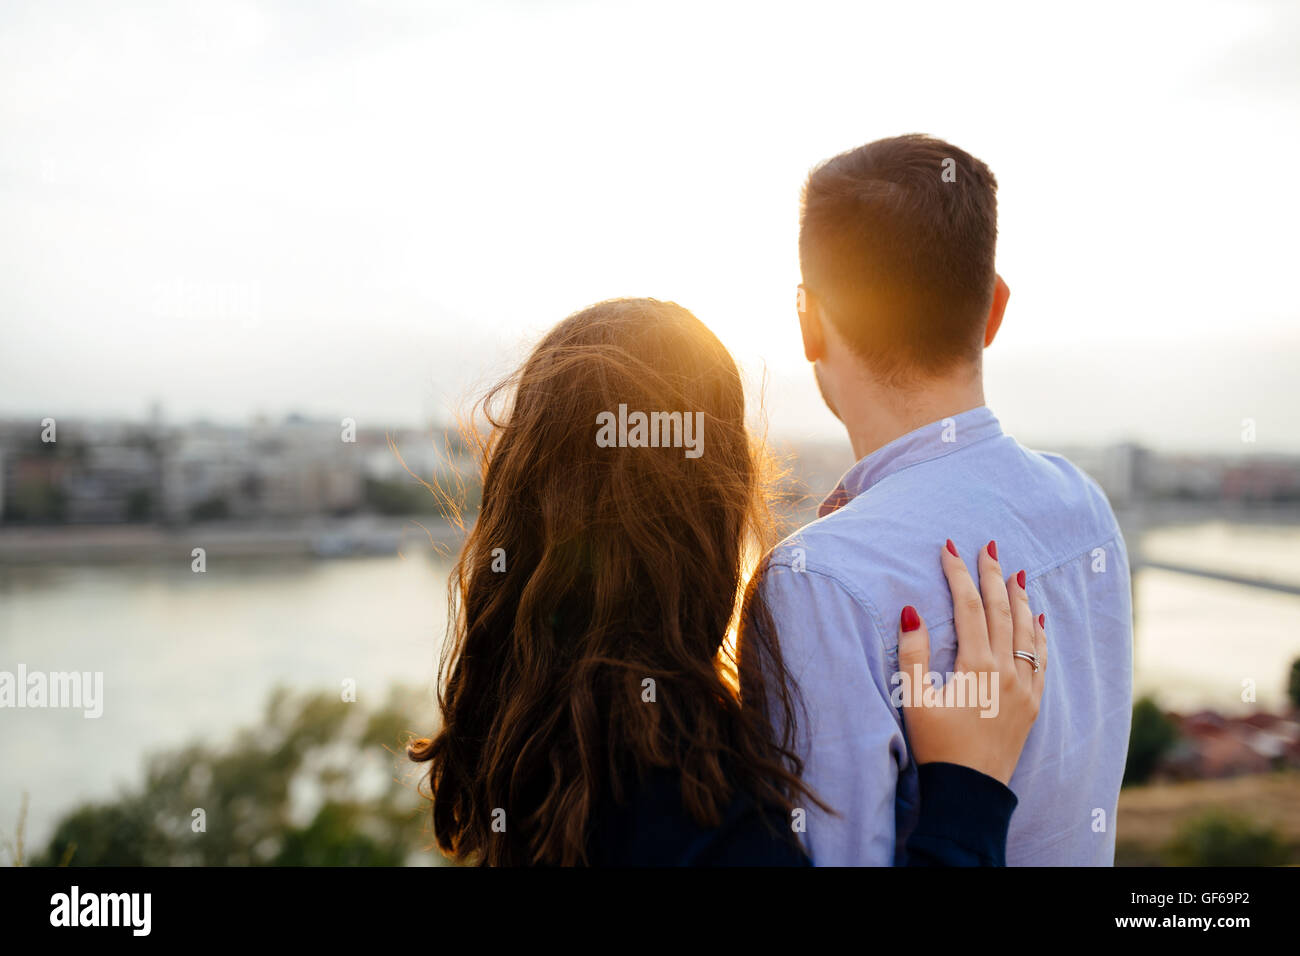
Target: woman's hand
{"type": "Point", "coordinates": [982, 714]}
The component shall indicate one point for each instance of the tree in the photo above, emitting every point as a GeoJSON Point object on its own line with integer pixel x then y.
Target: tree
{"type": "Point", "coordinates": [318, 783]}
{"type": "Point", "coordinates": [1151, 737]}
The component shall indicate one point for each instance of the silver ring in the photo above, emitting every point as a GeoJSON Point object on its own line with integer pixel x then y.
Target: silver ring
{"type": "Point", "coordinates": [1026, 656]}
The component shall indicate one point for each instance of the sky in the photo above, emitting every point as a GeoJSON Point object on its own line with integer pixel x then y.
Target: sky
{"type": "Point", "coordinates": [371, 209]}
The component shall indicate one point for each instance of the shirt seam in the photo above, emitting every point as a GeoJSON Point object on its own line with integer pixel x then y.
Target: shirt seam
{"type": "Point", "coordinates": [916, 464]}
{"type": "Point", "coordinates": [870, 608]}
{"type": "Point", "coordinates": [1043, 572]}
{"type": "Point", "coordinates": [865, 603]}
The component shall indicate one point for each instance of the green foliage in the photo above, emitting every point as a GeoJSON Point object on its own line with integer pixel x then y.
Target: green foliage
{"type": "Point", "coordinates": [37, 501]}
{"type": "Point", "coordinates": [210, 509]}
{"type": "Point", "coordinates": [139, 505]}
{"type": "Point", "coordinates": [399, 497]}
{"type": "Point", "coordinates": [1293, 684]}
{"type": "Point", "coordinates": [321, 782]}
{"type": "Point", "coordinates": [335, 838]}
{"type": "Point", "coordinates": [1151, 737]}
{"type": "Point", "coordinates": [1219, 838]}
{"type": "Point", "coordinates": [407, 496]}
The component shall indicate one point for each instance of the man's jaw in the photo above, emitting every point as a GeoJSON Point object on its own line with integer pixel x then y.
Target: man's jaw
{"type": "Point", "coordinates": [821, 387]}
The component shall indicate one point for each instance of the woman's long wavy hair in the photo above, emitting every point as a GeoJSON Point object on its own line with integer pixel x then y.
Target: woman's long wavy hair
{"type": "Point", "coordinates": [590, 573]}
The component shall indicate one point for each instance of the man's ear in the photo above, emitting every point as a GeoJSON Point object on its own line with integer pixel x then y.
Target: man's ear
{"type": "Point", "coordinates": [810, 325]}
{"type": "Point", "coordinates": [1001, 292]}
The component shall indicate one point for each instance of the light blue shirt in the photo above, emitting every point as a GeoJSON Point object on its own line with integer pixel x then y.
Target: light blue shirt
{"type": "Point", "coordinates": [837, 586]}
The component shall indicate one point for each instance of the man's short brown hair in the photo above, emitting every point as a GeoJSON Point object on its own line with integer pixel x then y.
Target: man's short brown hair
{"type": "Point", "coordinates": [897, 240]}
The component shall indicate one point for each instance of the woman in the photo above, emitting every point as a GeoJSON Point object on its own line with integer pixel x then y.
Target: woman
{"type": "Point", "coordinates": [594, 710]}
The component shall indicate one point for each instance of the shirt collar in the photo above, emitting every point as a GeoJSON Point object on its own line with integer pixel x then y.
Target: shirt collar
{"type": "Point", "coordinates": [924, 444]}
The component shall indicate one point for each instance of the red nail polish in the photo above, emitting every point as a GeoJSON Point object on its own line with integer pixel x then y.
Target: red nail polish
{"type": "Point", "coordinates": [910, 619]}
{"type": "Point", "coordinates": [993, 550]}
{"type": "Point", "coordinates": [952, 549]}
{"type": "Point", "coordinates": [1042, 621]}
{"type": "Point", "coordinates": [1020, 579]}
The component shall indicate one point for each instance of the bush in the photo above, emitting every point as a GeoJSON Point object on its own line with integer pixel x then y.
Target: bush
{"type": "Point", "coordinates": [1218, 838]}
{"type": "Point", "coordinates": [318, 783]}
{"type": "Point", "coordinates": [1293, 684]}
{"type": "Point", "coordinates": [1151, 737]}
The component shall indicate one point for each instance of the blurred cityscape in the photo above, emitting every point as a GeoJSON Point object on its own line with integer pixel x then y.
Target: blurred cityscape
{"type": "Point", "coordinates": [71, 473]}
{"type": "Point", "coordinates": [292, 486]}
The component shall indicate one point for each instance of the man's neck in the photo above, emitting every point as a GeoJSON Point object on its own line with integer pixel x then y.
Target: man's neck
{"type": "Point", "coordinates": [877, 415]}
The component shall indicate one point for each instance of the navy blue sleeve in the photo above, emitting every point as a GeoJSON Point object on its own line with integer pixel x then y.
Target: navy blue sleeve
{"type": "Point", "coordinates": [653, 829]}
{"type": "Point", "coordinates": [963, 820]}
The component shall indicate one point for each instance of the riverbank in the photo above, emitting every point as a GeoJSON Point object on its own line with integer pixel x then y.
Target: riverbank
{"type": "Point", "coordinates": [1159, 822]}
{"type": "Point", "coordinates": [315, 538]}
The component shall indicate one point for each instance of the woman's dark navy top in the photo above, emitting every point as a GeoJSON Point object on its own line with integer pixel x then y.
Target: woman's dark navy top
{"type": "Point", "coordinates": [963, 822]}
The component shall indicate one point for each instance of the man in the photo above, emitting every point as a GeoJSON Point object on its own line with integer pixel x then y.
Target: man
{"type": "Point", "coordinates": [899, 298]}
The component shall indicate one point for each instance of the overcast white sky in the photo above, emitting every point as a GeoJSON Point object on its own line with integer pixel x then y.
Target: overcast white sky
{"type": "Point", "coordinates": [365, 208]}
